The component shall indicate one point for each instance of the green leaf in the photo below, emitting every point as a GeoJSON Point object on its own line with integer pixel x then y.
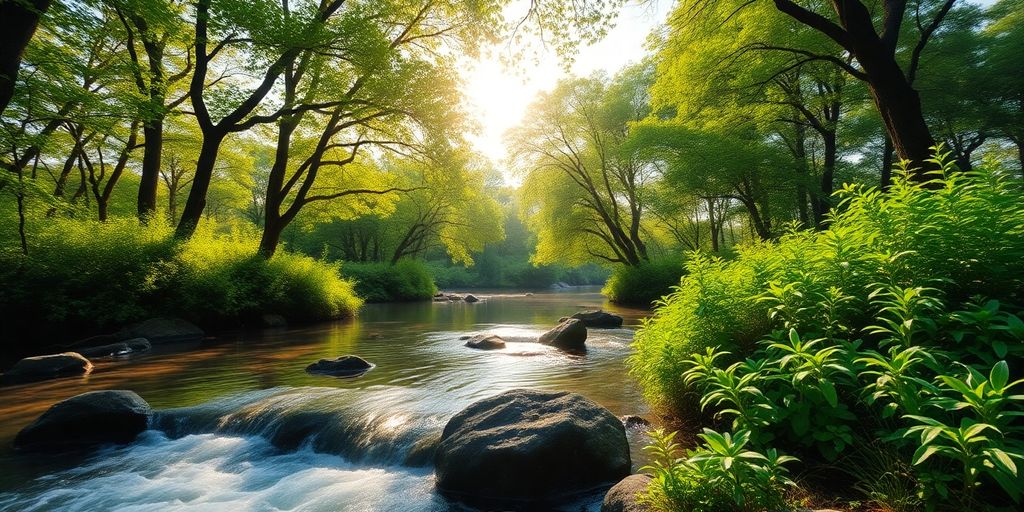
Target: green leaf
{"type": "Point", "coordinates": [829, 390]}
{"type": "Point", "coordinates": [923, 453]}
{"type": "Point", "coordinates": [999, 375]}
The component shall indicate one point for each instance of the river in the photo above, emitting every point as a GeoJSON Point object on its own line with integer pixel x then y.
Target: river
{"type": "Point", "coordinates": [241, 426]}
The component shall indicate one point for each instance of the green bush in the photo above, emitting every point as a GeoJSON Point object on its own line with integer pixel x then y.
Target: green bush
{"type": "Point", "coordinates": [407, 280]}
{"type": "Point", "coordinates": [642, 285]}
{"type": "Point", "coordinates": [85, 276]}
{"type": "Point", "coordinates": [900, 323]}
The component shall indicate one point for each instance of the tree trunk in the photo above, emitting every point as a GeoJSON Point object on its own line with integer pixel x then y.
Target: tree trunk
{"type": "Point", "coordinates": [18, 22]}
{"type": "Point", "coordinates": [193, 211]}
{"type": "Point", "coordinates": [153, 134]}
{"type": "Point", "coordinates": [271, 237]}
{"type": "Point", "coordinates": [888, 157]}
{"type": "Point", "coordinates": [822, 201]}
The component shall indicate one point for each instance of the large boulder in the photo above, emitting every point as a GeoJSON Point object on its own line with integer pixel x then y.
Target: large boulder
{"type": "Point", "coordinates": [623, 496]}
{"type": "Point", "coordinates": [92, 418]}
{"type": "Point", "coordinates": [164, 330]}
{"type": "Point", "coordinates": [598, 318]}
{"type": "Point", "coordinates": [525, 446]}
{"type": "Point", "coordinates": [49, 366]}
{"type": "Point", "coordinates": [470, 298]}
{"type": "Point", "coordinates": [570, 334]}
{"type": "Point", "coordinates": [344, 366]}
{"type": "Point", "coordinates": [486, 342]}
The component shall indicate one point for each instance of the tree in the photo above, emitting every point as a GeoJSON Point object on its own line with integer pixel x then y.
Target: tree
{"type": "Point", "coordinates": [851, 25]}
{"type": "Point", "coordinates": [583, 195]}
{"type": "Point", "coordinates": [18, 22]}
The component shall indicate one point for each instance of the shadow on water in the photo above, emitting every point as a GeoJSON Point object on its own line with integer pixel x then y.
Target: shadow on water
{"type": "Point", "coordinates": [247, 397]}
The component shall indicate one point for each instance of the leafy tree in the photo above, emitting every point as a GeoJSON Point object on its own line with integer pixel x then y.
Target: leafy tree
{"type": "Point", "coordinates": [583, 195]}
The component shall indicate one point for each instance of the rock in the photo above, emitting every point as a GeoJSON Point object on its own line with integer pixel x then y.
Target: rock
{"type": "Point", "coordinates": [570, 334]}
{"type": "Point", "coordinates": [470, 298]}
{"type": "Point", "coordinates": [49, 366]}
{"type": "Point", "coordinates": [96, 417]}
{"type": "Point", "coordinates": [528, 294]}
{"type": "Point", "coordinates": [344, 366]}
{"type": "Point", "coordinates": [634, 421]}
{"type": "Point", "coordinates": [438, 294]}
{"type": "Point", "coordinates": [272, 321]}
{"type": "Point", "coordinates": [486, 342]}
{"type": "Point", "coordinates": [622, 497]}
{"type": "Point", "coordinates": [164, 330]}
{"type": "Point", "coordinates": [530, 446]}
{"type": "Point", "coordinates": [598, 318]}
{"type": "Point", "coordinates": [441, 299]}
{"type": "Point", "coordinates": [138, 344]}
{"type": "Point", "coordinates": [113, 349]}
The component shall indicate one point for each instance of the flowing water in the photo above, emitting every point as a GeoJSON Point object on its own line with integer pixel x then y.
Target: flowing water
{"type": "Point", "coordinates": [241, 426]}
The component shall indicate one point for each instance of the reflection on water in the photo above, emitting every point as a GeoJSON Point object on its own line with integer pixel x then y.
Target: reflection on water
{"type": "Point", "coordinates": [248, 396]}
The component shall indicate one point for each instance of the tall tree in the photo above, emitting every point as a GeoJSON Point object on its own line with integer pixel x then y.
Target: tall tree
{"type": "Point", "coordinates": [583, 193]}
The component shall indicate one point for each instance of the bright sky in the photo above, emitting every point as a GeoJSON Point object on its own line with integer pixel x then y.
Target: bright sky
{"type": "Point", "coordinates": [498, 97]}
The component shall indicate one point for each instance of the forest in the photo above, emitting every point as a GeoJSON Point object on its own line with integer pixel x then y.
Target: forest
{"type": "Point", "coordinates": [817, 207]}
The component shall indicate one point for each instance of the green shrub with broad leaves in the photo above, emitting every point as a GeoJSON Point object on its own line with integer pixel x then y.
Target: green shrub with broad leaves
{"type": "Point", "coordinates": [897, 329]}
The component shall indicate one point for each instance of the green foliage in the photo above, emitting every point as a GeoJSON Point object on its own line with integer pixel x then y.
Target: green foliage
{"type": "Point", "coordinates": [86, 276]}
{"type": "Point", "coordinates": [407, 280]}
{"type": "Point", "coordinates": [645, 283]}
{"type": "Point", "coordinates": [872, 329]}
{"type": "Point", "coordinates": [721, 475]}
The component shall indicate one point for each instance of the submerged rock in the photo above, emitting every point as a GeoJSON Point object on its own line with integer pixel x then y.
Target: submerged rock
{"type": "Point", "coordinates": [92, 418]}
{"type": "Point", "coordinates": [164, 330]}
{"type": "Point", "coordinates": [486, 342]}
{"type": "Point", "coordinates": [597, 318]}
{"type": "Point", "coordinates": [623, 496]}
{"type": "Point", "coordinates": [344, 366]}
{"type": "Point", "coordinates": [105, 350]}
{"type": "Point", "coordinates": [138, 344]}
{"type": "Point", "coordinates": [36, 368]}
{"type": "Point", "coordinates": [272, 321]}
{"type": "Point", "coordinates": [470, 298]}
{"type": "Point", "coordinates": [525, 446]}
{"type": "Point", "coordinates": [570, 334]}
{"type": "Point", "coordinates": [634, 421]}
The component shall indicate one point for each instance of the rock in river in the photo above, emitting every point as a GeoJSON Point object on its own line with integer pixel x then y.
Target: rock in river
{"type": "Point", "coordinates": [570, 334]}
{"type": "Point", "coordinates": [50, 366]}
{"type": "Point", "coordinates": [598, 318]}
{"type": "Point", "coordinates": [164, 330]}
{"type": "Point", "coordinates": [470, 298]}
{"type": "Point", "coordinates": [486, 342]}
{"type": "Point", "coordinates": [525, 446]}
{"type": "Point", "coordinates": [96, 417]}
{"type": "Point", "coordinates": [622, 497]}
{"type": "Point", "coordinates": [344, 366]}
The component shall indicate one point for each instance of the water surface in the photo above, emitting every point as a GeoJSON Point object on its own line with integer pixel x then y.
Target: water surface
{"type": "Point", "coordinates": [242, 426]}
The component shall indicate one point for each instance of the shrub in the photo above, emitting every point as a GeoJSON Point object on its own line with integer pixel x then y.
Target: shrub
{"type": "Point", "coordinates": [407, 280]}
{"type": "Point", "coordinates": [721, 475]}
{"type": "Point", "coordinates": [86, 276]}
{"type": "Point", "coordinates": [873, 329]}
{"type": "Point", "coordinates": [642, 285]}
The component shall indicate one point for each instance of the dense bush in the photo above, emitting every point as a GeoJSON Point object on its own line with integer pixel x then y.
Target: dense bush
{"type": "Point", "coordinates": [641, 285]}
{"type": "Point", "coordinates": [407, 280]}
{"type": "Point", "coordinates": [514, 273]}
{"type": "Point", "coordinates": [900, 323]}
{"type": "Point", "coordinates": [87, 276]}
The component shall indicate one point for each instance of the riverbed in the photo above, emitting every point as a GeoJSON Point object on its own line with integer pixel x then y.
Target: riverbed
{"type": "Point", "coordinates": [242, 426]}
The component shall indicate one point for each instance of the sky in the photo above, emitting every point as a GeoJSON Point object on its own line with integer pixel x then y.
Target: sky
{"type": "Point", "coordinates": [498, 96]}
